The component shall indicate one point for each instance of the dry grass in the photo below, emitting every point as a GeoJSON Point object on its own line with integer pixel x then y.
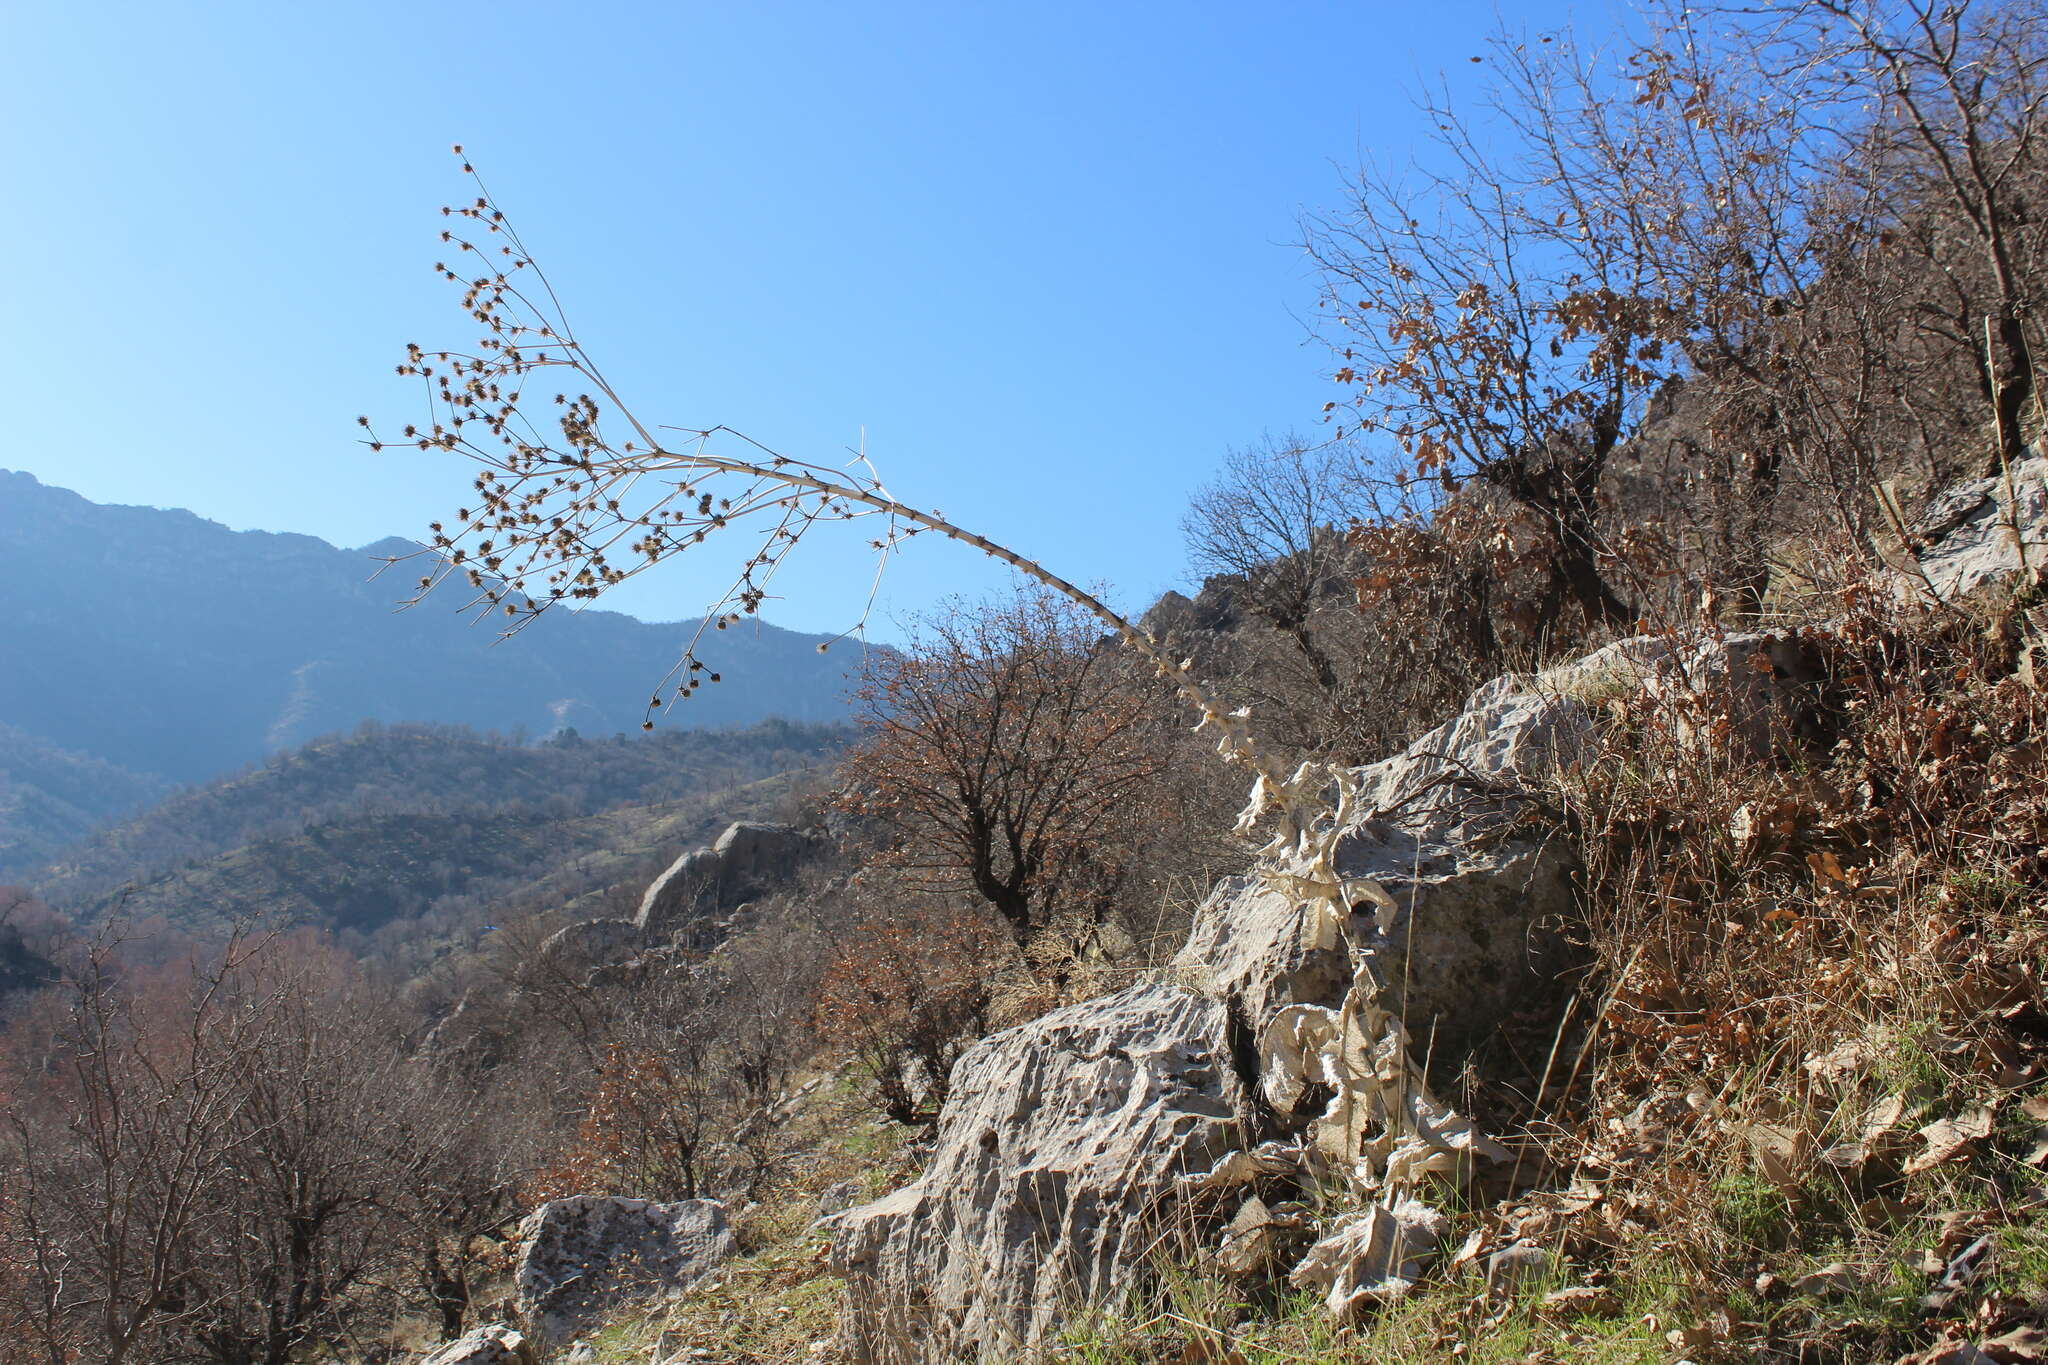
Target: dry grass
{"type": "Point", "coordinates": [1798, 1109]}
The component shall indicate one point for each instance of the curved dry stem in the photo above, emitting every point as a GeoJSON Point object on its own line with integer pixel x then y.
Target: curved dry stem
{"type": "Point", "coordinates": [564, 512]}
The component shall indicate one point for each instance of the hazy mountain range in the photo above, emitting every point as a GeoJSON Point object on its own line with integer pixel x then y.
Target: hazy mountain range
{"type": "Point", "coordinates": [143, 648]}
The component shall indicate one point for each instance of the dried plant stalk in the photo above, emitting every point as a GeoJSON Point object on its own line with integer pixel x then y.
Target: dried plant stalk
{"type": "Point", "coordinates": [565, 511]}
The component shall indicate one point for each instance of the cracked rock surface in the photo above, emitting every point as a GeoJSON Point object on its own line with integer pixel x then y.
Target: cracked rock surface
{"type": "Point", "coordinates": [1052, 1178]}
{"type": "Point", "coordinates": [584, 1257]}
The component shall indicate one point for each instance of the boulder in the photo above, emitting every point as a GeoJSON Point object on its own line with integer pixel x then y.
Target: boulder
{"type": "Point", "coordinates": [750, 857]}
{"type": "Point", "coordinates": [1964, 542]}
{"type": "Point", "coordinates": [584, 1257]}
{"type": "Point", "coordinates": [493, 1345]}
{"type": "Point", "coordinates": [593, 942]}
{"type": "Point", "coordinates": [1467, 940]}
{"type": "Point", "coordinates": [1428, 833]}
{"type": "Point", "coordinates": [1053, 1177]}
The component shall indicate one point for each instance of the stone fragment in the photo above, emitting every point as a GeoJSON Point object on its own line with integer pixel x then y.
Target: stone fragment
{"type": "Point", "coordinates": [496, 1344]}
{"type": "Point", "coordinates": [1055, 1177]}
{"type": "Point", "coordinates": [584, 1257]}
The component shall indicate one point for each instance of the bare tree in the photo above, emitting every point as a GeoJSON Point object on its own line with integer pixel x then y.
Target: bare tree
{"type": "Point", "coordinates": [309, 1207]}
{"type": "Point", "coordinates": [1494, 343]}
{"type": "Point", "coordinates": [1959, 88]}
{"type": "Point", "coordinates": [120, 1152]}
{"type": "Point", "coordinates": [1012, 757]}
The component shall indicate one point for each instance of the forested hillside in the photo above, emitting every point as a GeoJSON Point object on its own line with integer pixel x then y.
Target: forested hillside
{"type": "Point", "coordinates": [352, 834]}
{"type": "Point", "coordinates": [51, 798]}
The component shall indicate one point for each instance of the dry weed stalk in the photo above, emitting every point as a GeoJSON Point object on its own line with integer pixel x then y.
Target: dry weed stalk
{"type": "Point", "coordinates": [566, 510]}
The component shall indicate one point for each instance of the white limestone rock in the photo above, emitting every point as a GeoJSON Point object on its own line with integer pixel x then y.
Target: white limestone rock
{"type": "Point", "coordinates": [1055, 1173]}
{"type": "Point", "coordinates": [1467, 937]}
{"type": "Point", "coordinates": [748, 857]}
{"type": "Point", "coordinates": [496, 1344]}
{"type": "Point", "coordinates": [1965, 540]}
{"type": "Point", "coordinates": [583, 1258]}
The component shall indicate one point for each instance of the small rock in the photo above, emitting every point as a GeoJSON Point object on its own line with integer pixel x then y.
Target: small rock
{"type": "Point", "coordinates": [1830, 1281]}
{"type": "Point", "coordinates": [496, 1344]}
{"type": "Point", "coordinates": [1513, 1266]}
{"type": "Point", "coordinates": [583, 1257]}
{"type": "Point", "coordinates": [834, 1198]}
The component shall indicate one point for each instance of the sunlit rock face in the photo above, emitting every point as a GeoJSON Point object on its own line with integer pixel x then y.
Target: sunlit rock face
{"type": "Point", "coordinates": [749, 857]}
{"type": "Point", "coordinates": [1053, 1178]}
{"type": "Point", "coordinates": [1061, 1150]}
{"type": "Point", "coordinates": [1977, 534]}
{"type": "Point", "coordinates": [496, 1344]}
{"type": "Point", "coordinates": [583, 1258]}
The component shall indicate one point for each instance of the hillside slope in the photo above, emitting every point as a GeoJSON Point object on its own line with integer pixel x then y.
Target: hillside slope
{"type": "Point", "coordinates": [354, 833]}
{"type": "Point", "coordinates": [51, 797]}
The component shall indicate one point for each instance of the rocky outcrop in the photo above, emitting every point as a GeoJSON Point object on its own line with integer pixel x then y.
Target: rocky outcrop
{"type": "Point", "coordinates": [1434, 835]}
{"type": "Point", "coordinates": [1054, 1175]}
{"type": "Point", "coordinates": [1062, 1143]}
{"type": "Point", "coordinates": [593, 941]}
{"type": "Point", "coordinates": [1974, 535]}
{"type": "Point", "coordinates": [493, 1345]}
{"type": "Point", "coordinates": [1436, 830]}
{"type": "Point", "coordinates": [749, 858]}
{"type": "Point", "coordinates": [584, 1257]}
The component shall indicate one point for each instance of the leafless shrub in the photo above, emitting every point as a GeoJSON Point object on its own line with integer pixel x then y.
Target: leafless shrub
{"type": "Point", "coordinates": [1010, 756]}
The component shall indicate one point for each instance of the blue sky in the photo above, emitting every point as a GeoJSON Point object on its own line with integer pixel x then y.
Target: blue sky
{"type": "Point", "coordinates": [1042, 256]}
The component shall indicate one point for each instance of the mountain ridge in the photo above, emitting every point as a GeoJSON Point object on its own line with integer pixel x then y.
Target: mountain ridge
{"type": "Point", "coordinates": [165, 643]}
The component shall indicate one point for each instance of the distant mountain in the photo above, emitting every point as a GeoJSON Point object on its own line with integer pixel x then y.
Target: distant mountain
{"type": "Point", "coordinates": [396, 824]}
{"type": "Point", "coordinates": [170, 645]}
{"type": "Point", "coordinates": [51, 797]}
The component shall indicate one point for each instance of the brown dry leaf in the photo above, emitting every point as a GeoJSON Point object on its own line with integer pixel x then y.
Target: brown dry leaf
{"type": "Point", "coordinates": [1827, 867]}
{"type": "Point", "coordinates": [1958, 1226]}
{"type": "Point", "coordinates": [1830, 1281]}
{"type": "Point", "coordinates": [2020, 1345]}
{"type": "Point", "coordinates": [1948, 1353]}
{"type": "Point", "coordinates": [1780, 1149]}
{"type": "Point", "coordinates": [1841, 1062]}
{"type": "Point", "coordinates": [1848, 1156]}
{"type": "Point", "coordinates": [1946, 1138]}
{"type": "Point", "coordinates": [1689, 1338]}
{"type": "Point", "coordinates": [1882, 1117]}
{"type": "Point", "coordinates": [2035, 1107]}
{"type": "Point", "coordinates": [1578, 1299]}
{"type": "Point", "coordinates": [1883, 1210]}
